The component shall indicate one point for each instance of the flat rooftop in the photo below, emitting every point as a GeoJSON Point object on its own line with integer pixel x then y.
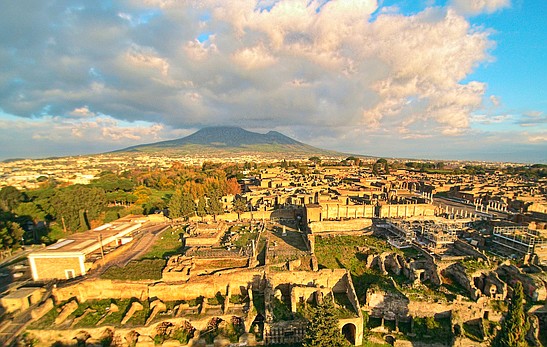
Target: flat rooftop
{"type": "Point", "coordinates": [88, 241]}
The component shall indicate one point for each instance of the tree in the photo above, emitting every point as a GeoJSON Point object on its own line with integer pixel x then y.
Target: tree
{"type": "Point", "coordinates": [201, 208]}
{"type": "Point", "coordinates": [515, 325]}
{"type": "Point", "coordinates": [240, 206]}
{"type": "Point", "coordinates": [232, 187]}
{"type": "Point", "coordinates": [10, 235]}
{"type": "Point", "coordinates": [214, 206]}
{"type": "Point", "coordinates": [10, 197]}
{"type": "Point", "coordinates": [322, 329]}
{"type": "Point", "coordinates": [77, 205]}
{"type": "Point", "coordinates": [315, 160]}
{"type": "Point", "coordinates": [182, 205]}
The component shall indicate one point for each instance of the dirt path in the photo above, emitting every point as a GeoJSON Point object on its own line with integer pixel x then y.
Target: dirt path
{"type": "Point", "coordinates": [140, 246]}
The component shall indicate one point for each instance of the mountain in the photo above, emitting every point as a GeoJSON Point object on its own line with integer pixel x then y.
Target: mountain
{"type": "Point", "coordinates": [223, 141]}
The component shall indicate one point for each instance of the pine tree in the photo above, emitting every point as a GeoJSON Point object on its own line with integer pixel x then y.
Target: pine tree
{"type": "Point", "coordinates": [181, 205]}
{"type": "Point", "coordinates": [515, 325]}
{"type": "Point", "coordinates": [239, 206]}
{"type": "Point", "coordinates": [201, 207]}
{"type": "Point", "coordinates": [322, 329]}
{"type": "Point", "coordinates": [215, 206]}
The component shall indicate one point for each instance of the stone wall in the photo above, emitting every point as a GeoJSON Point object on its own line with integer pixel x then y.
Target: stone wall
{"type": "Point", "coordinates": [406, 210]}
{"type": "Point", "coordinates": [284, 213]}
{"type": "Point", "coordinates": [327, 277]}
{"type": "Point", "coordinates": [100, 289]}
{"type": "Point", "coordinates": [345, 225]}
{"type": "Point", "coordinates": [467, 249]}
{"type": "Point", "coordinates": [337, 211]}
{"type": "Point", "coordinates": [206, 286]}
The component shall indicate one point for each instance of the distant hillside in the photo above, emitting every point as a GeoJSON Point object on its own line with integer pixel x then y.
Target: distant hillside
{"type": "Point", "coordinates": [221, 141]}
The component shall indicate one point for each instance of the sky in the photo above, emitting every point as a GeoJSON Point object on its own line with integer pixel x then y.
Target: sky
{"type": "Point", "coordinates": [451, 79]}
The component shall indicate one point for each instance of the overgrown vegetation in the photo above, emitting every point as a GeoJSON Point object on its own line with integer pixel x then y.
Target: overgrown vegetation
{"type": "Point", "coordinates": [168, 244]}
{"type": "Point", "coordinates": [472, 265]}
{"type": "Point", "coordinates": [515, 324]}
{"type": "Point", "coordinates": [429, 329]}
{"type": "Point", "coordinates": [323, 328]}
{"type": "Point", "coordinates": [146, 269]}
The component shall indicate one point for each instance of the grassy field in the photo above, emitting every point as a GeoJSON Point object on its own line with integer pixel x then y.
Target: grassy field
{"type": "Point", "coordinates": [341, 252]}
{"type": "Point", "coordinates": [146, 269]}
{"type": "Point", "coordinates": [97, 309]}
{"type": "Point", "coordinates": [350, 252]}
{"type": "Point", "coordinates": [169, 243]}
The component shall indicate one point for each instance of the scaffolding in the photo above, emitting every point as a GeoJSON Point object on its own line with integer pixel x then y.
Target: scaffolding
{"type": "Point", "coordinates": [430, 233]}
{"type": "Point", "coordinates": [520, 239]}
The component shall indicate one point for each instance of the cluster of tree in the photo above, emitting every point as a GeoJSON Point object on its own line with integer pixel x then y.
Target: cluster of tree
{"type": "Point", "coordinates": [111, 196]}
{"type": "Point", "coordinates": [178, 175]}
{"type": "Point", "coordinates": [529, 172]}
{"type": "Point", "coordinates": [425, 165]}
{"type": "Point", "coordinates": [323, 331]}
{"type": "Point", "coordinates": [11, 232]}
{"type": "Point", "coordinates": [381, 166]}
{"type": "Point", "coordinates": [203, 198]}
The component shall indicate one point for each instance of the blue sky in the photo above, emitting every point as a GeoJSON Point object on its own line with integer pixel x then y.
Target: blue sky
{"type": "Point", "coordinates": [455, 79]}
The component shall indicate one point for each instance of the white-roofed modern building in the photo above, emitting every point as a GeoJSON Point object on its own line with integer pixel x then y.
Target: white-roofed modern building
{"type": "Point", "coordinates": [75, 255]}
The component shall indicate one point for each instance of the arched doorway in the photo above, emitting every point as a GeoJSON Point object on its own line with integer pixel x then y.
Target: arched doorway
{"type": "Point", "coordinates": [348, 330]}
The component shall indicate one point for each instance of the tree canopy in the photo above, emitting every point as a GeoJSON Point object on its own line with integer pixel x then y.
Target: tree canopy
{"type": "Point", "coordinates": [515, 325]}
{"type": "Point", "coordinates": [322, 329]}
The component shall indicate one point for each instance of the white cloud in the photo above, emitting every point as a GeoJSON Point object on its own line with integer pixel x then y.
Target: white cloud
{"type": "Point", "coordinates": [268, 64]}
{"type": "Point", "coordinates": [486, 119]}
{"type": "Point", "coordinates": [495, 100]}
{"type": "Point", "coordinates": [82, 112]}
{"type": "Point", "coordinates": [474, 7]}
{"type": "Point", "coordinates": [254, 57]}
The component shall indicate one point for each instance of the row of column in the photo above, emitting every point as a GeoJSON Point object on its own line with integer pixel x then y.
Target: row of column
{"type": "Point", "coordinates": [428, 196]}
{"type": "Point", "coordinates": [461, 213]}
{"type": "Point", "coordinates": [492, 204]}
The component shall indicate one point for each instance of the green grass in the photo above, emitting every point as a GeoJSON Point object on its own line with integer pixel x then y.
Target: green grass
{"type": "Point", "coordinates": [341, 253]}
{"type": "Point", "coordinates": [281, 310]}
{"type": "Point", "coordinates": [245, 238]}
{"type": "Point", "coordinates": [473, 331]}
{"type": "Point", "coordinates": [101, 308]}
{"type": "Point", "coordinates": [47, 321]}
{"type": "Point", "coordinates": [374, 344]}
{"type": "Point", "coordinates": [146, 269]}
{"type": "Point", "coordinates": [238, 299]}
{"type": "Point", "coordinates": [344, 308]}
{"type": "Point", "coordinates": [472, 265]}
{"type": "Point", "coordinates": [432, 330]}
{"type": "Point", "coordinates": [167, 244]}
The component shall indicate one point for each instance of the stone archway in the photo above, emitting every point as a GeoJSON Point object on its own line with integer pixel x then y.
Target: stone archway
{"type": "Point", "coordinates": [349, 330]}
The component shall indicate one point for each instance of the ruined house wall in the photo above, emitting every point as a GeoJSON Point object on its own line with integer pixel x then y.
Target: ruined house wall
{"type": "Point", "coordinates": [206, 286]}
{"type": "Point", "coordinates": [329, 278]}
{"type": "Point", "coordinates": [469, 250]}
{"type": "Point", "coordinates": [336, 211]}
{"type": "Point", "coordinates": [346, 225]}
{"type": "Point", "coordinates": [406, 210]}
{"type": "Point", "coordinates": [100, 289]}
{"type": "Point", "coordinates": [352, 295]}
